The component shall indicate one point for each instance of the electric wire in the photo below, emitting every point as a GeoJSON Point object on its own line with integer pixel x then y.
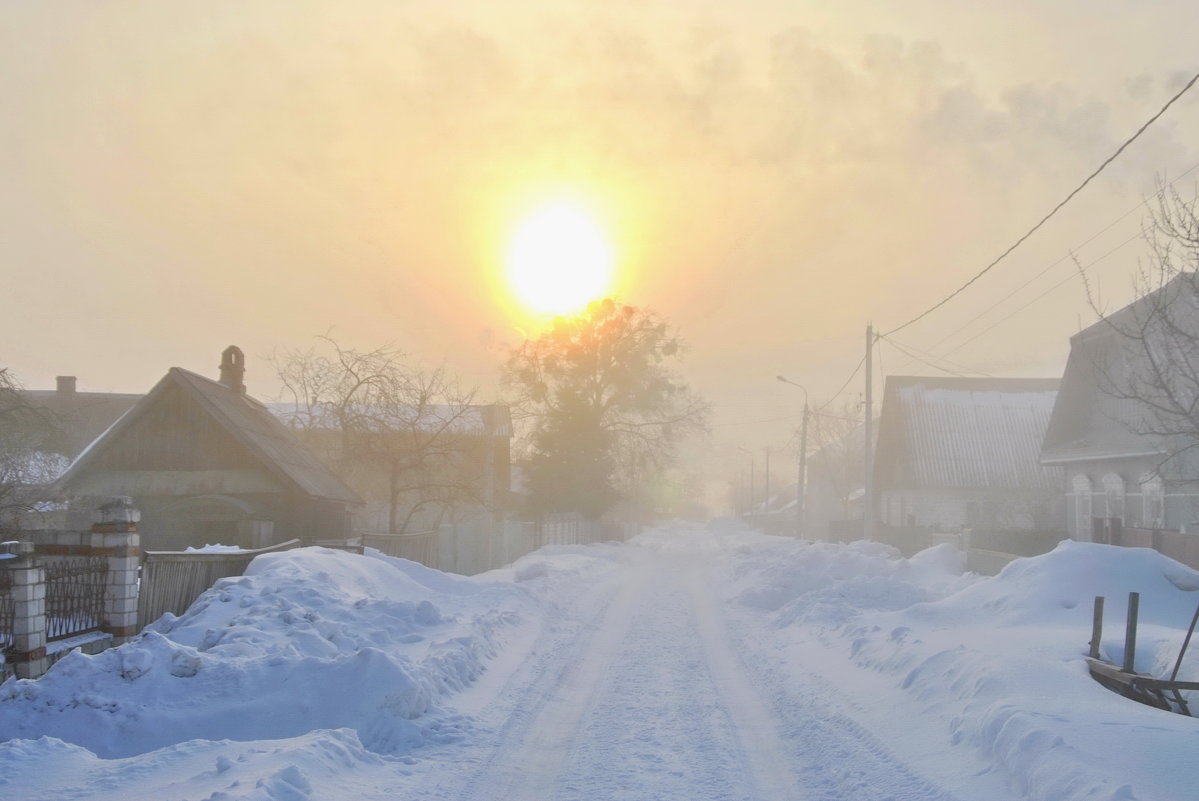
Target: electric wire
{"type": "Point", "coordinates": [1017, 310]}
{"type": "Point", "coordinates": [1064, 257]}
{"type": "Point", "coordinates": [1053, 211]}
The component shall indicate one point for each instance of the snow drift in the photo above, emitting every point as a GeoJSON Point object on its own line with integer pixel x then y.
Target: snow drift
{"type": "Point", "coordinates": [306, 639]}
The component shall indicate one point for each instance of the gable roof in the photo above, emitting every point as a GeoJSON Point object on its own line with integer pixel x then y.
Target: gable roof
{"type": "Point", "coordinates": [80, 417]}
{"type": "Point", "coordinates": [1089, 423]}
{"type": "Point", "coordinates": [248, 421]}
{"type": "Point", "coordinates": [964, 433]}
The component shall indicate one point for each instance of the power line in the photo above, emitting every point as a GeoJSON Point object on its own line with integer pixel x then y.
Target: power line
{"type": "Point", "coordinates": [1060, 283]}
{"type": "Point", "coordinates": [1063, 258]}
{"type": "Point", "coordinates": [837, 394]}
{"type": "Point", "coordinates": [912, 352]}
{"type": "Point", "coordinates": [1053, 211]}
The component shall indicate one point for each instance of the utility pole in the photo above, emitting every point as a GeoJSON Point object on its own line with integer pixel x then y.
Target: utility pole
{"type": "Point", "coordinates": [801, 488]}
{"type": "Point", "coordinates": [868, 430]}
{"type": "Point", "coordinates": [766, 500]}
{"type": "Point", "coordinates": [751, 485]}
{"type": "Point", "coordinates": [801, 479]}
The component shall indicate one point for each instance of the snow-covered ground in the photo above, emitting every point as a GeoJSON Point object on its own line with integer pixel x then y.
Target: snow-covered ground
{"type": "Point", "coordinates": [696, 662]}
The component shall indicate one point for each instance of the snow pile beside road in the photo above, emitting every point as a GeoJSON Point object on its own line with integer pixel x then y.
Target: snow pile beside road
{"type": "Point", "coordinates": [828, 584]}
{"type": "Point", "coordinates": [307, 639]}
{"type": "Point", "coordinates": [994, 668]}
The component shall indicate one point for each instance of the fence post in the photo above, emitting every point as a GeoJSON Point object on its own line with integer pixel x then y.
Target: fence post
{"type": "Point", "coordinates": [115, 536]}
{"type": "Point", "coordinates": [1096, 626]}
{"type": "Point", "coordinates": [1130, 632]}
{"type": "Point", "coordinates": [28, 653]}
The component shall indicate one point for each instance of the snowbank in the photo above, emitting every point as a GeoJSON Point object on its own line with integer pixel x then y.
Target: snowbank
{"type": "Point", "coordinates": [307, 639]}
{"type": "Point", "coordinates": [992, 668]}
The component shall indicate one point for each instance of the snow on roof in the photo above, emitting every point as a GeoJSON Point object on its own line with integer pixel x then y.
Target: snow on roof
{"type": "Point", "coordinates": [964, 433]}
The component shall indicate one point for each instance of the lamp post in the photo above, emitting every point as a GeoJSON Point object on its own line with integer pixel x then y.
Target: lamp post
{"type": "Point", "coordinates": [801, 483]}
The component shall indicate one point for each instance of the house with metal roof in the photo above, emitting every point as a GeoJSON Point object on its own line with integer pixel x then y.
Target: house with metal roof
{"type": "Point", "coordinates": [206, 463]}
{"type": "Point", "coordinates": [958, 453]}
{"type": "Point", "coordinates": [1123, 427]}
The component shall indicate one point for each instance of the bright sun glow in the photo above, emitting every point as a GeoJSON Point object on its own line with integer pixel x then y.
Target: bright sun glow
{"type": "Point", "coordinates": [559, 259]}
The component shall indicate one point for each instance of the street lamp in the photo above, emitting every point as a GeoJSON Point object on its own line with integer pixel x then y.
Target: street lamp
{"type": "Point", "coordinates": [801, 482]}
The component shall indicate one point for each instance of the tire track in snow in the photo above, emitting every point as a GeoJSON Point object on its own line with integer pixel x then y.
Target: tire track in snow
{"type": "Point", "coordinates": [658, 727]}
{"type": "Point", "coordinates": [539, 734]}
{"type": "Point", "coordinates": [763, 751]}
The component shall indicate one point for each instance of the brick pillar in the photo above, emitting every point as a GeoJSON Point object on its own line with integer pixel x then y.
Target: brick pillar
{"type": "Point", "coordinates": [114, 535]}
{"type": "Point", "coordinates": [28, 652]}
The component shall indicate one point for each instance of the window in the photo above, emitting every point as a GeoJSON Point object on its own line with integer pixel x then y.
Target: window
{"type": "Point", "coordinates": [1113, 493]}
{"type": "Point", "coordinates": [1081, 486]}
{"type": "Point", "coordinates": [1153, 501]}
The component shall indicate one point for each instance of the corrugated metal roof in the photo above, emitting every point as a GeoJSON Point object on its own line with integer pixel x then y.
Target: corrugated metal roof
{"type": "Point", "coordinates": [250, 422]}
{"type": "Point", "coordinates": [964, 433]}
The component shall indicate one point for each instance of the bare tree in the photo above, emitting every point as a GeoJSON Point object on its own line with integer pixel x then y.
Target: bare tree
{"type": "Point", "coordinates": [837, 461]}
{"type": "Point", "coordinates": [1146, 356]}
{"type": "Point", "coordinates": [403, 436]}
{"type": "Point", "coordinates": [29, 453]}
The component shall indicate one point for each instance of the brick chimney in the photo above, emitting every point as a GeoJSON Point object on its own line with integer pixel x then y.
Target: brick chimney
{"type": "Point", "coordinates": [233, 369]}
{"type": "Point", "coordinates": [66, 385]}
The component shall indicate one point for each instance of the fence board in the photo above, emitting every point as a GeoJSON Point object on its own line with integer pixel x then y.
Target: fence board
{"type": "Point", "coordinates": [172, 580]}
{"type": "Point", "coordinates": [423, 546]}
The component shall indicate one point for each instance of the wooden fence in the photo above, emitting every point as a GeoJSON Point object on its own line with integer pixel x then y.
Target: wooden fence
{"type": "Point", "coordinates": [172, 580]}
{"type": "Point", "coordinates": [473, 547]}
{"type": "Point", "coordinates": [1176, 545]}
{"type": "Point", "coordinates": [421, 546]}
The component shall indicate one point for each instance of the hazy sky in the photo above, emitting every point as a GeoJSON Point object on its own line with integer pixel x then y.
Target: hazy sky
{"type": "Point", "coordinates": [180, 176]}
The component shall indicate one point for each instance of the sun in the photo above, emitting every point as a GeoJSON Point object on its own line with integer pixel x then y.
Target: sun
{"type": "Point", "coordinates": [559, 259]}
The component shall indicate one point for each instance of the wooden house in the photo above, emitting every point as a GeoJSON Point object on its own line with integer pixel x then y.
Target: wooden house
{"type": "Point", "coordinates": [1122, 427]}
{"type": "Point", "coordinates": [958, 453]}
{"type": "Point", "coordinates": [205, 463]}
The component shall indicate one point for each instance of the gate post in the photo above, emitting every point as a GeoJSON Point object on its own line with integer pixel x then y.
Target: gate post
{"type": "Point", "coordinates": [116, 530]}
{"type": "Point", "coordinates": [28, 652]}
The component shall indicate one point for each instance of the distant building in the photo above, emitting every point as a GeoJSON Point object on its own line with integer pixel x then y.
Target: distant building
{"type": "Point", "coordinates": [39, 439]}
{"type": "Point", "coordinates": [206, 463]}
{"type": "Point", "coordinates": [963, 452]}
{"type": "Point", "coordinates": [1127, 462]}
{"type": "Point", "coordinates": [417, 467]}
{"type": "Point", "coordinates": [78, 417]}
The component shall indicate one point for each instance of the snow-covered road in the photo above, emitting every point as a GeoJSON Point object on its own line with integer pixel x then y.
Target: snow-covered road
{"type": "Point", "coordinates": [696, 662]}
{"type": "Point", "coordinates": [655, 704]}
{"type": "Point", "coordinates": [655, 701]}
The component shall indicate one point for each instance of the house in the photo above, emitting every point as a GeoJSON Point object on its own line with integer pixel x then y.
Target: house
{"type": "Point", "coordinates": [415, 465]}
{"type": "Point", "coordinates": [958, 453]}
{"type": "Point", "coordinates": [1122, 427]}
{"type": "Point", "coordinates": [78, 417]}
{"type": "Point", "coordinates": [206, 463]}
{"type": "Point", "coordinates": [42, 431]}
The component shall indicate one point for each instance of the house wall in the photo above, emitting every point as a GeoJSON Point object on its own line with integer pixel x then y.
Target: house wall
{"type": "Point", "coordinates": [1128, 490]}
{"type": "Point", "coordinates": [252, 520]}
{"type": "Point", "coordinates": [951, 510]}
